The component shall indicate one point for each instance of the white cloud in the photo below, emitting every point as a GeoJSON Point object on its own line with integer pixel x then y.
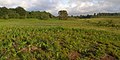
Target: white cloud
{"type": "Point", "coordinates": [74, 7]}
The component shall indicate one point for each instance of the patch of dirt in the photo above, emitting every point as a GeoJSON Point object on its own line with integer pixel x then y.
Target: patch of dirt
{"type": "Point", "coordinates": [108, 57]}
{"type": "Point", "coordinates": [73, 55]}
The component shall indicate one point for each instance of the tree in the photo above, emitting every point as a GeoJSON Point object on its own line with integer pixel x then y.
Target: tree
{"type": "Point", "coordinates": [21, 11]}
{"type": "Point", "coordinates": [4, 13]}
{"type": "Point", "coordinates": [44, 15]}
{"type": "Point", "coordinates": [63, 15]}
{"type": "Point", "coordinates": [12, 13]}
{"type": "Point", "coordinates": [33, 14]}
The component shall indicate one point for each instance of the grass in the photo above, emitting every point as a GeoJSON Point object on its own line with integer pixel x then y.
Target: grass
{"type": "Point", "coordinates": [81, 39]}
{"type": "Point", "coordinates": [93, 23]}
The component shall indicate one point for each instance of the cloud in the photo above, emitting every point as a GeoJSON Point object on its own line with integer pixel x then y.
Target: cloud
{"type": "Point", "coordinates": [74, 7]}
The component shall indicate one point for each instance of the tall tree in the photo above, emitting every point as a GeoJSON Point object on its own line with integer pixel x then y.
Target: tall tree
{"type": "Point", "coordinates": [22, 12]}
{"type": "Point", "coordinates": [4, 12]}
{"type": "Point", "coordinates": [63, 15]}
{"type": "Point", "coordinates": [44, 15]}
{"type": "Point", "coordinates": [12, 13]}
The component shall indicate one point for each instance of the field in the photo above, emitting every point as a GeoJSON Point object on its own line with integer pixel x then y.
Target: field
{"type": "Point", "coordinates": [80, 39]}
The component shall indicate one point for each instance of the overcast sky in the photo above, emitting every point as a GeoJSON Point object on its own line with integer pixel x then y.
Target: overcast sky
{"type": "Point", "coordinates": [74, 7]}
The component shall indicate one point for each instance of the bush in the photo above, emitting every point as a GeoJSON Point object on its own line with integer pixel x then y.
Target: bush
{"type": "Point", "coordinates": [43, 16]}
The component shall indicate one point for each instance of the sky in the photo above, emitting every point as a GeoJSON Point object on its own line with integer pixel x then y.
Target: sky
{"type": "Point", "coordinates": [73, 7]}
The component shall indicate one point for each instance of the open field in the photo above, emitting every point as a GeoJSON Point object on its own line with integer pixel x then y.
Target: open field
{"type": "Point", "coordinates": [82, 39]}
{"type": "Point", "coordinates": [93, 23]}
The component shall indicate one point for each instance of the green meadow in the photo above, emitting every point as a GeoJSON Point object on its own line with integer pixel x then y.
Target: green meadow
{"type": "Point", "coordinates": [73, 39]}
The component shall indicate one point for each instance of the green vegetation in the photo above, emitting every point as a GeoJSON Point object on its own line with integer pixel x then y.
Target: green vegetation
{"type": "Point", "coordinates": [63, 15]}
{"type": "Point", "coordinates": [82, 39]}
{"type": "Point", "coordinates": [21, 13]}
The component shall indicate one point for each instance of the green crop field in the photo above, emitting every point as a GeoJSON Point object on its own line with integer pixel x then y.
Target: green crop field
{"type": "Point", "coordinates": [80, 39]}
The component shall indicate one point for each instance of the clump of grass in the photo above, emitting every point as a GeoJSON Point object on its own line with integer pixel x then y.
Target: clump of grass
{"type": "Point", "coordinates": [57, 43]}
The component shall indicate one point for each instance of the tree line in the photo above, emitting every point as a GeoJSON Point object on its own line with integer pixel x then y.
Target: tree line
{"type": "Point", "coordinates": [21, 13]}
{"type": "Point", "coordinates": [97, 15]}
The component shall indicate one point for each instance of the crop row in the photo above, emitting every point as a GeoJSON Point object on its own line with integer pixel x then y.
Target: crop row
{"type": "Point", "coordinates": [57, 43]}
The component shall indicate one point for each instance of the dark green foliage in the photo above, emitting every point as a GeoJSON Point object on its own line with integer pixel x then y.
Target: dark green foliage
{"type": "Point", "coordinates": [4, 13]}
{"type": "Point", "coordinates": [12, 13]}
{"type": "Point", "coordinates": [33, 14]}
{"type": "Point", "coordinates": [63, 15]}
{"type": "Point", "coordinates": [21, 13]}
{"type": "Point", "coordinates": [97, 15]}
{"type": "Point", "coordinates": [85, 16]}
{"type": "Point", "coordinates": [44, 16]}
{"type": "Point", "coordinates": [108, 14]}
